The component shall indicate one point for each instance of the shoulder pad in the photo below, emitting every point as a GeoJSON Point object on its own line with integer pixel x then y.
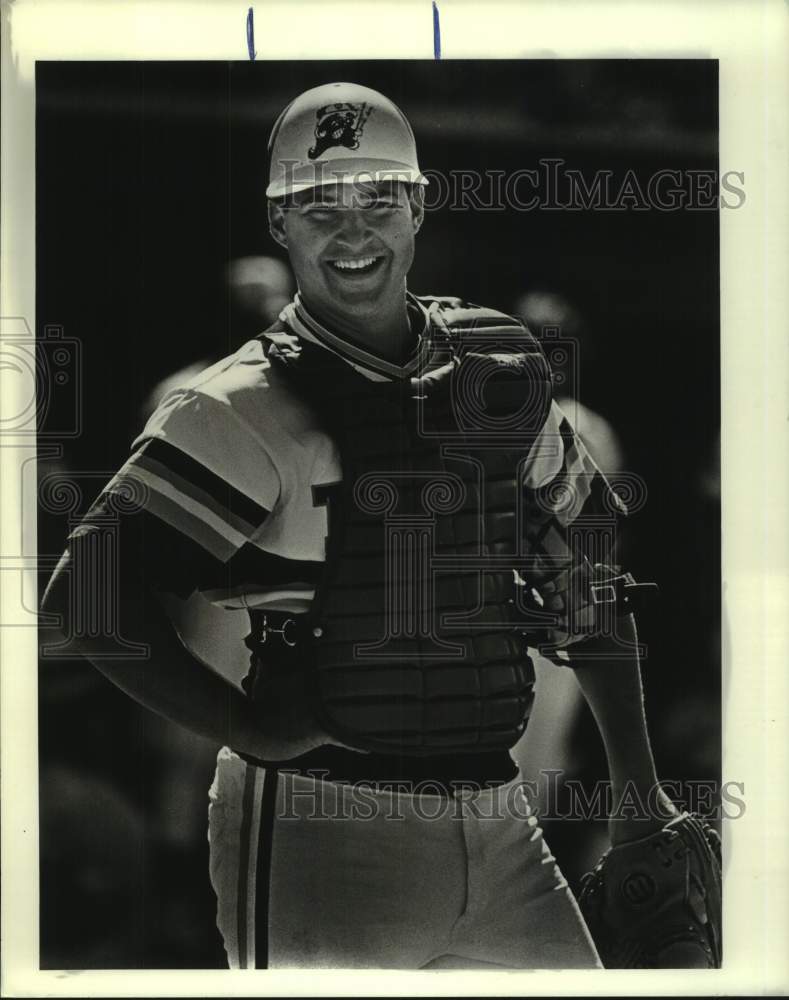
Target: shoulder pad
{"type": "Point", "coordinates": [458, 314]}
{"type": "Point", "coordinates": [468, 316]}
{"type": "Point", "coordinates": [448, 301]}
{"type": "Point", "coordinates": [468, 323]}
{"type": "Point", "coordinates": [491, 346]}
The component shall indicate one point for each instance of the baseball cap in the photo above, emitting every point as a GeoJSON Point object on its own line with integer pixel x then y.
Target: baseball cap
{"type": "Point", "coordinates": [339, 133]}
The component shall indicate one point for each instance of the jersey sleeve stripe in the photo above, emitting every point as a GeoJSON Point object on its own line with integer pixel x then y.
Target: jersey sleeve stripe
{"type": "Point", "coordinates": [146, 466]}
{"type": "Point", "coordinates": [190, 517]}
{"type": "Point", "coordinates": [220, 490]}
{"type": "Point", "coordinates": [567, 434]}
{"type": "Point", "coordinates": [577, 460]}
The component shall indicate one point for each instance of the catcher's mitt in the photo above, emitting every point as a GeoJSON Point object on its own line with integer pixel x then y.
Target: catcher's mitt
{"type": "Point", "coordinates": [655, 903]}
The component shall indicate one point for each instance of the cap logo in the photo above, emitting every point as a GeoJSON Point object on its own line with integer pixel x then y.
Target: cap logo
{"type": "Point", "coordinates": [339, 125]}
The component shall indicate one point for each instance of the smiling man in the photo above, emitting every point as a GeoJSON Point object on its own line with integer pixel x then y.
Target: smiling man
{"type": "Point", "coordinates": [352, 246]}
{"type": "Point", "coordinates": [383, 484]}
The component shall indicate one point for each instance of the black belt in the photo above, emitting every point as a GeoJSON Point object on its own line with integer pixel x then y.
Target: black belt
{"type": "Point", "coordinates": [433, 775]}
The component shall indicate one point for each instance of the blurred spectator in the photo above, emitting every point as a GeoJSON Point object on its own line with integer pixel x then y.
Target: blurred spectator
{"type": "Point", "coordinates": [543, 310]}
{"type": "Point", "coordinates": [260, 288]}
{"type": "Point", "coordinates": [548, 314]}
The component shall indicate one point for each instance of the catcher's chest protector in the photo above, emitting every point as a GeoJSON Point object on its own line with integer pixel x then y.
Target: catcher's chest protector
{"type": "Point", "coordinates": [412, 643]}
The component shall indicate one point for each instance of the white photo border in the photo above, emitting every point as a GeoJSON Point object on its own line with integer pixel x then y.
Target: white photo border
{"type": "Point", "coordinates": [747, 38]}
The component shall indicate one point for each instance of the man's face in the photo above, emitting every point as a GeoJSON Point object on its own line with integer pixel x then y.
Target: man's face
{"type": "Point", "coordinates": [350, 246]}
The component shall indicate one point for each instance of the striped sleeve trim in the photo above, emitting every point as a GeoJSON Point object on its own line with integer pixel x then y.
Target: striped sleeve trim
{"type": "Point", "coordinates": [205, 486]}
{"type": "Point", "coordinates": [577, 460]}
{"type": "Point", "coordinates": [187, 516]}
{"type": "Point", "coordinates": [564, 475]}
{"type": "Point", "coordinates": [152, 472]}
{"type": "Point", "coordinates": [578, 471]}
{"type": "Point", "coordinates": [190, 498]}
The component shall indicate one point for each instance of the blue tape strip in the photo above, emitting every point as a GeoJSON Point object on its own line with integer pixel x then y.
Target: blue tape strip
{"type": "Point", "coordinates": [251, 34]}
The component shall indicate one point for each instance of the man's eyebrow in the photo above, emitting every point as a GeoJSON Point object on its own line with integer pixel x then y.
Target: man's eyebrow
{"type": "Point", "coordinates": [351, 199]}
{"type": "Point", "coordinates": [325, 199]}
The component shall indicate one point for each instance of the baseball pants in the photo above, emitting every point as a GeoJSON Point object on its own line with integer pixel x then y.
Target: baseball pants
{"type": "Point", "coordinates": [318, 874]}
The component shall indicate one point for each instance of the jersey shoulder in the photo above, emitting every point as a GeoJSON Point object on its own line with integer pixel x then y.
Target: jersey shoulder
{"type": "Point", "coordinates": [243, 394]}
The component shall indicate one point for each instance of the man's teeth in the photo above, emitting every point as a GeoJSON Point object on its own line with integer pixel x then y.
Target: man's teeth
{"type": "Point", "coordinates": [354, 265]}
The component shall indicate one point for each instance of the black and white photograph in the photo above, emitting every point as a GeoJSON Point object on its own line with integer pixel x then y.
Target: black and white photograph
{"type": "Point", "coordinates": [377, 498]}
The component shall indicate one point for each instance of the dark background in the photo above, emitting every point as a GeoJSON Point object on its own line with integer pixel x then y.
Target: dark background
{"type": "Point", "coordinates": [150, 177]}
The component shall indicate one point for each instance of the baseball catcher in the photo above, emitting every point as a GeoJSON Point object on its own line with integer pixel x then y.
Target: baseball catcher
{"type": "Point", "coordinates": [382, 485]}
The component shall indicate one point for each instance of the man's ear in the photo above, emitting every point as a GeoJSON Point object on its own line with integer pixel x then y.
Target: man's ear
{"type": "Point", "coordinates": [417, 199]}
{"type": "Point", "coordinates": [276, 224]}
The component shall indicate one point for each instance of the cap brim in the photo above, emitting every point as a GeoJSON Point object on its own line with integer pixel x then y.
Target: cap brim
{"type": "Point", "coordinates": [304, 176]}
